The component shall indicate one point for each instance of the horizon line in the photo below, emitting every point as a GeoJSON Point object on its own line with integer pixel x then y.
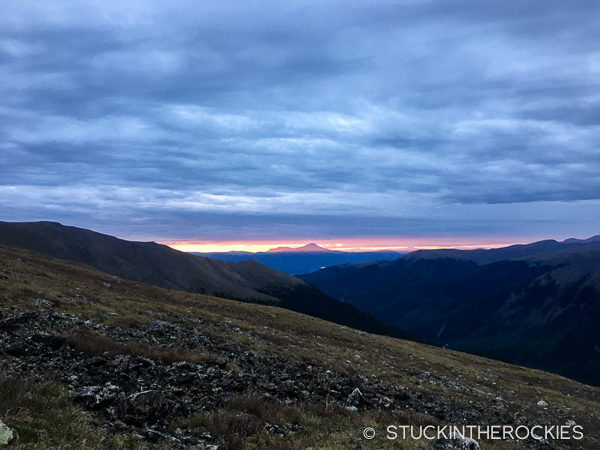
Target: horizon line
{"type": "Point", "coordinates": [344, 245]}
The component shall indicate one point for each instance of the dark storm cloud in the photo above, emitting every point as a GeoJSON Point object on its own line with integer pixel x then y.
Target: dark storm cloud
{"type": "Point", "coordinates": [390, 112]}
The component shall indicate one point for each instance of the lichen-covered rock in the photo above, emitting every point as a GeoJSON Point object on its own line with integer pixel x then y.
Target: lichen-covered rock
{"type": "Point", "coordinates": [150, 406]}
{"type": "Point", "coordinates": [456, 441]}
{"type": "Point", "coordinates": [8, 436]}
{"type": "Point", "coordinates": [354, 397]}
{"type": "Point", "coordinates": [42, 303]}
{"type": "Point", "coordinates": [95, 397]}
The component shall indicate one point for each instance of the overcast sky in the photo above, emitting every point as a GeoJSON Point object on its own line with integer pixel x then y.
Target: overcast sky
{"type": "Point", "coordinates": [302, 120]}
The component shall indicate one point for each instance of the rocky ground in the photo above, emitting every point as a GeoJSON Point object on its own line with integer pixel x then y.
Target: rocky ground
{"type": "Point", "coordinates": [130, 391]}
{"type": "Point", "coordinates": [147, 395]}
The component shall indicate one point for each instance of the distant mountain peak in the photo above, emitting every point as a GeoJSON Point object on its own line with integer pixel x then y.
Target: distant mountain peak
{"type": "Point", "coordinates": [314, 247]}
{"type": "Point", "coordinates": [308, 248]}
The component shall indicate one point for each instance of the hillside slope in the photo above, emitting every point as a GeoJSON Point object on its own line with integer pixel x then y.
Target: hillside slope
{"type": "Point", "coordinates": [238, 375]}
{"type": "Point", "coordinates": [162, 266]}
{"type": "Point", "coordinates": [538, 308]}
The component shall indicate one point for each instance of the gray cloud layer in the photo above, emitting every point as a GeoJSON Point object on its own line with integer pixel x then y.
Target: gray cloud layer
{"type": "Point", "coordinates": [211, 119]}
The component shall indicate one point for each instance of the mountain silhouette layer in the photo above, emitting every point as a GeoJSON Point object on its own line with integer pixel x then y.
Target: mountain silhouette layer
{"type": "Point", "coordinates": [163, 266]}
{"type": "Point", "coordinates": [305, 259]}
{"type": "Point", "coordinates": [308, 248]}
{"type": "Point", "coordinates": [536, 305]}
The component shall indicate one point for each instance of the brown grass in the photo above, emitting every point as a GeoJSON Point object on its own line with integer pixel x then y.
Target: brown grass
{"type": "Point", "coordinates": [266, 409]}
{"type": "Point", "coordinates": [241, 423]}
{"type": "Point", "coordinates": [95, 345]}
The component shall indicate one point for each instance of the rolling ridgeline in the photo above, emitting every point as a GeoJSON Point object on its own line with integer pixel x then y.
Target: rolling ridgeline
{"type": "Point", "coordinates": [162, 266]}
{"type": "Point", "coordinates": [536, 305]}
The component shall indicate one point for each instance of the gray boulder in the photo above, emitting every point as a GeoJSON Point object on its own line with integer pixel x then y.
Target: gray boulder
{"type": "Point", "coordinates": [456, 441]}
{"type": "Point", "coordinates": [43, 303]}
{"type": "Point", "coordinates": [8, 436]}
{"type": "Point", "coordinates": [354, 397]}
{"type": "Point", "coordinates": [149, 407]}
{"type": "Point", "coordinates": [94, 397]}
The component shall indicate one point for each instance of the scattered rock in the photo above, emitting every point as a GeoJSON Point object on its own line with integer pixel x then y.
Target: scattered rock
{"type": "Point", "coordinates": [354, 397]}
{"type": "Point", "coordinates": [42, 303]}
{"type": "Point", "coordinates": [156, 436]}
{"type": "Point", "coordinates": [161, 328]}
{"type": "Point", "coordinates": [129, 393]}
{"type": "Point", "coordinates": [183, 379]}
{"type": "Point", "coordinates": [150, 407]}
{"type": "Point", "coordinates": [11, 321]}
{"type": "Point", "coordinates": [53, 342]}
{"type": "Point", "coordinates": [94, 361]}
{"type": "Point", "coordinates": [17, 349]}
{"type": "Point", "coordinates": [94, 397]}
{"type": "Point", "coordinates": [274, 429]}
{"type": "Point", "coordinates": [456, 441]}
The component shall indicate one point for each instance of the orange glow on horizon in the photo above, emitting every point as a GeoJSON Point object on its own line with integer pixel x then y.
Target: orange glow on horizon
{"type": "Point", "coordinates": [368, 244]}
{"type": "Point", "coordinates": [227, 246]}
